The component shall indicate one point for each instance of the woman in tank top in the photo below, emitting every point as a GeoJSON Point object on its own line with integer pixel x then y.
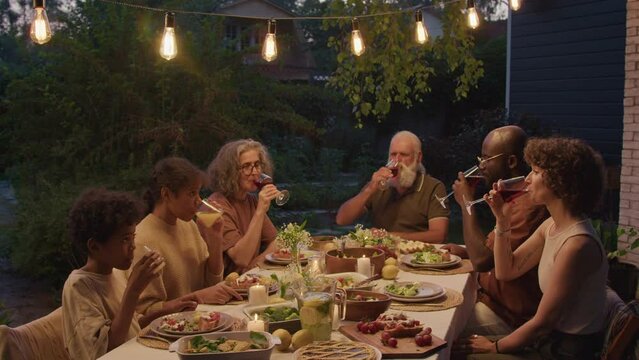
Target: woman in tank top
{"type": "Point", "coordinates": [567, 177]}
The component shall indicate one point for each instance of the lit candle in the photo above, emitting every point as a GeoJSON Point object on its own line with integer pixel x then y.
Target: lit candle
{"type": "Point", "coordinates": [258, 295]}
{"type": "Point", "coordinates": [364, 266]}
{"type": "Point", "coordinates": [255, 324]}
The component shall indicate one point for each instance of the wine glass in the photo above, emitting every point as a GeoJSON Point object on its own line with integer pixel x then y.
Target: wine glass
{"type": "Point", "coordinates": [510, 189]}
{"type": "Point", "coordinates": [264, 179]}
{"type": "Point", "coordinates": [472, 179]}
{"type": "Point", "coordinates": [209, 213]}
{"type": "Point", "coordinates": [393, 166]}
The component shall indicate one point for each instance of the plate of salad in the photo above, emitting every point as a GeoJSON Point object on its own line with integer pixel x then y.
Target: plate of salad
{"type": "Point", "coordinates": [414, 291]}
{"type": "Point", "coordinates": [435, 259]}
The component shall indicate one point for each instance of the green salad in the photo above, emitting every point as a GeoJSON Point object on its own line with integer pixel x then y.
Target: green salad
{"type": "Point", "coordinates": [281, 313]}
{"type": "Point", "coordinates": [403, 290]}
{"type": "Point", "coordinates": [427, 257]}
{"type": "Point", "coordinates": [200, 344]}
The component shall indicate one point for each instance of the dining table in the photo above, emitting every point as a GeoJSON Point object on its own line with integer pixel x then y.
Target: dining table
{"type": "Point", "coordinates": [446, 324]}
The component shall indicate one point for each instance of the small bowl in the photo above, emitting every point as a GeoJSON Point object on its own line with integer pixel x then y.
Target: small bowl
{"type": "Point", "coordinates": [357, 310]}
{"type": "Point", "coordinates": [180, 347]}
{"type": "Point", "coordinates": [292, 326]}
{"type": "Point", "coordinates": [335, 264]}
{"type": "Point", "coordinates": [323, 243]}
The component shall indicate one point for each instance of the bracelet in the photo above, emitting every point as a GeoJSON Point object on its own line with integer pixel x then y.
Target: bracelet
{"type": "Point", "coordinates": [501, 232]}
{"type": "Point", "coordinates": [497, 344]}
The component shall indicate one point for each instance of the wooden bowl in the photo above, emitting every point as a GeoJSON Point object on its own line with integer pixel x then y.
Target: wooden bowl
{"type": "Point", "coordinates": [335, 264]}
{"type": "Point", "coordinates": [357, 310]}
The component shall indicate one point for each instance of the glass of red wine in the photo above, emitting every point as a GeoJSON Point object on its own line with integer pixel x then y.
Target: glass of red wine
{"type": "Point", "coordinates": [510, 189]}
{"type": "Point", "coordinates": [264, 179]}
{"type": "Point", "coordinates": [393, 165]}
{"type": "Point", "coordinates": [472, 178]}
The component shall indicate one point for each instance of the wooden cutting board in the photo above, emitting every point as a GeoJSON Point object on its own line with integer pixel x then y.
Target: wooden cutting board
{"type": "Point", "coordinates": [406, 347]}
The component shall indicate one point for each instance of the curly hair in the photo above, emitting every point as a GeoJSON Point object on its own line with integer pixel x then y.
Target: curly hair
{"type": "Point", "coordinates": [98, 213]}
{"type": "Point", "coordinates": [572, 170]}
{"type": "Point", "coordinates": [224, 170]}
{"type": "Point", "coordinates": [174, 173]}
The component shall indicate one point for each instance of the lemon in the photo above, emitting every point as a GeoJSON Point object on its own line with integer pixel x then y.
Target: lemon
{"type": "Point", "coordinates": [301, 338]}
{"type": "Point", "coordinates": [285, 338]}
{"type": "Point", "coordinates": [389, 272]}
{"type": "Point", "coordinates": [390, 261]}
{"type": "Point", "coordinates": [309, 315]}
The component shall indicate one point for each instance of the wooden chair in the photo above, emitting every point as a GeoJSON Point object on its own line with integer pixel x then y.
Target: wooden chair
{"type": "Point", "coordinates": [39, 339]}
{"type": "Point", "coordinates": [622, 337]}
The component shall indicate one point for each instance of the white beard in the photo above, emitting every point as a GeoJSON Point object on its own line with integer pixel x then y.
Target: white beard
{"type": "Point", "coordinates": [407, 175]}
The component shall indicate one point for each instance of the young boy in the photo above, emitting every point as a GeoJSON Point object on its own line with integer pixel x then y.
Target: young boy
{"type": "Point", "coordinates": [98, 308]}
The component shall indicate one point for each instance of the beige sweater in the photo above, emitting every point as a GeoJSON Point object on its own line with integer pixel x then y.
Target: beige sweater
{"type": "Point", "coordinates": [186, 255]}
{"type": "Point", "coordinates": [89, 304]}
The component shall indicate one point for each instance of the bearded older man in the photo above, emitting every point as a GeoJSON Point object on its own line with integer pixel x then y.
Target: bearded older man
{"type": "Point", "coordinates": [407, 207]}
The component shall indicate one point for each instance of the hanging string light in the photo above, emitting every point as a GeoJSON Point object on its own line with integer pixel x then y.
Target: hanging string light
{"type": "Point", "coordinates": [515, 5]}
{"type": "Point", "coordinates": [357, 43]}
{"type": "Point", "coordinates": [40, 31]}
{"type": "Point", "coordinates": [473, 18]}
{"type": "Point", "coordinates": [421, 34]}
{"type": "Point", "coordinates": [269, 49]}
{"type": "Point", "coordinates": [168, 48]}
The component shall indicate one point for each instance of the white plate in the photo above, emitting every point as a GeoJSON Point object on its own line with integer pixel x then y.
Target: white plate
{"type": "Point", "coordinates": [280, 261]}
{"type": "Point", "coordinates": [225, 321]}
{"type": "Point", "coordinates": [425, 292]}
{"type": "Point", "coordinates": [357, 277]}
{"type": "Point", "coordinates": [408, 258]}
{"type": "Point", "coordinates": [378, 354]}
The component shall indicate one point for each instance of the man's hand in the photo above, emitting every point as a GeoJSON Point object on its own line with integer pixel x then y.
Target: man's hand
{"type": "Point", "coordinates": [456, 250]}
{"type": "Point", "coordinates": [382, 174]}
{"type": "Point", "coordinates": [461, 189]}
{"type": "Point", "coordinates": [184, 303]}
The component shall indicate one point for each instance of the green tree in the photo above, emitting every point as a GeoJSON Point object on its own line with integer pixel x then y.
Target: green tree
{"type": "Point", "coordinates": [394, 69]}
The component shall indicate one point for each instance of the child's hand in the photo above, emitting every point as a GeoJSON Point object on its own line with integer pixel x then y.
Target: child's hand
{"type": "Point", "coordinates": [185, 303]}
{"type": "Point", "coordinates": [145, 270]}
{"type": "Point", "coordinates": [219, 293]}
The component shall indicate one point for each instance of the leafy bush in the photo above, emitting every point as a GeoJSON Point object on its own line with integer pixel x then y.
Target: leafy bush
{"type": "Point", "coordinates": [5, 315]}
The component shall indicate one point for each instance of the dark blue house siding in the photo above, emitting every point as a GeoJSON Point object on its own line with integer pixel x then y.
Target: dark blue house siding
{"type": "Point", "coordinates": [567, 69]}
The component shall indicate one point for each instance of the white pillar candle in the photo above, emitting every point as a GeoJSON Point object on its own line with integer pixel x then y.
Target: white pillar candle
{"type": "Point", "coordinates": [364, 266]}
{"type": "Point", "coordinates": [255, 325]}
{"type": "Point", "coordinates": [258, 295]}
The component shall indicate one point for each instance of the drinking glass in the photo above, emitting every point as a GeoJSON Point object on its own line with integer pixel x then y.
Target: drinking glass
{"type": "Point", "coordinates": [510, 190]}
{"type": "Point", "coordinates": [393, 165]}
{"type": "Point", "coordinates": [264, 179]}
{"type": "Point", "coordinates": [472, 179]}
{"type": "Point", "coordinates": [209, 213]}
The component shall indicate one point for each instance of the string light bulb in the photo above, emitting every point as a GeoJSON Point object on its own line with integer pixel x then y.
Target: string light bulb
{"type": "Point", "coordinates": [269, 48]}
{"type": "Point", "coordinates": [515, 5]}
{"type": "Point", "coordinates": [40, 31]}
{"type": "Point", "coordinates": [168, 48]}
{"type": "Point", "coordinates": [421, 34]}
{"type": "Point", "coordinates": [357, 42]}
{"type": "Point", "coordinates": [473, 18]}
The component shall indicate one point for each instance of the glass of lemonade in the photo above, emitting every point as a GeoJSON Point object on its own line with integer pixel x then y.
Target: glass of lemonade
{"type": "Point", "coordinates": [209, 213]}
{"type": "Point", "coordinates": [315, 299]}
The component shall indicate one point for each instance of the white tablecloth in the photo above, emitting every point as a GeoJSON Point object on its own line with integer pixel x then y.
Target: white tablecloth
{"type": "Point", "coordinates": [446, 324]}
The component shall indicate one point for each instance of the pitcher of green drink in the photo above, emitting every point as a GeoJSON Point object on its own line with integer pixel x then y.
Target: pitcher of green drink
{"type": "Point", "coordinates": [316, 298]}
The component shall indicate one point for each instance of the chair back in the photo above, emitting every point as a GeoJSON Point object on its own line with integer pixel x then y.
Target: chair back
{"type": "Point", "coordinates": [622, 336]}
{"type": "Point", "coordinates": [40, 339]}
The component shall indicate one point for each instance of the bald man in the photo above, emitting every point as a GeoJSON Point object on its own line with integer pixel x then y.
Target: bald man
{"type": "Point", "coordinates": [407, 206]}
{"type": "Point", "coordinates": [502, 305]}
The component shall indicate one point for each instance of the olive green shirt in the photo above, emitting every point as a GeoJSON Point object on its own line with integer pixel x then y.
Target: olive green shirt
{"type": "Point", "coordinates": [410, 211]}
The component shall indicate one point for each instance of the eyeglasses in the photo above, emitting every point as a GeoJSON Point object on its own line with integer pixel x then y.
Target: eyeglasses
{"type": "Point", "coordinates": [247, 169]}
{"type": "Point", "coordinates": [481, 161]}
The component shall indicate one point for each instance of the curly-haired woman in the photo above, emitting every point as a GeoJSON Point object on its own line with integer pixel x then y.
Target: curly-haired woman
{"type": "Point", "coordinates": [567, 177]}
{"type": "Point", "coordinates": [247, 227]}
{"type": "Point", "coordinates": [98, 308]}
